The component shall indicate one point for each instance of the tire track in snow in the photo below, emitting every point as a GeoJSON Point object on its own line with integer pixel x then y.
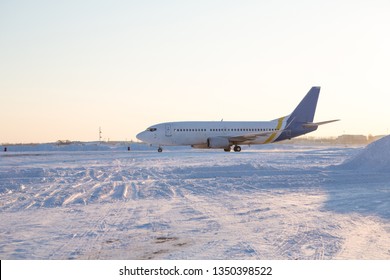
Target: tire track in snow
{"type": "Point", "coordinates": [217, 221]}
{"type": "Point", "coordinates": [118, 185]}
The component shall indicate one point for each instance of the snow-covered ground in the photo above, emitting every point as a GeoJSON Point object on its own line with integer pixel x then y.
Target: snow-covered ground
{"type": "Point", "coordinates": [271, 202]}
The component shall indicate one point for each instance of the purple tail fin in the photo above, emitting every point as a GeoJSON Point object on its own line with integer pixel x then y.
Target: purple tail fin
{"type": "Point", "coordinates": [305, 111]}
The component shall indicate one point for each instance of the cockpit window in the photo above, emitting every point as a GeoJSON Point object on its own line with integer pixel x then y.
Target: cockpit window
{"type": "Point", "coordinates": [151, 129]}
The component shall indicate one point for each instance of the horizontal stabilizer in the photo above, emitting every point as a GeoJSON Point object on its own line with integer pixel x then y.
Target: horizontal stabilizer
{"type": "Point", "coordinates": [313, 125]}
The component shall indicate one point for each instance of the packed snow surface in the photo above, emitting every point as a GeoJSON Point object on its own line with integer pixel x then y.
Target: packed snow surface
{"type": "Point", "coordinates": [274, 202]}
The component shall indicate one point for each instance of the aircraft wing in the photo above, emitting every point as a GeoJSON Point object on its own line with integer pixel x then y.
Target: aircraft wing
{"type": "Point", "coordinates": [252, 136]}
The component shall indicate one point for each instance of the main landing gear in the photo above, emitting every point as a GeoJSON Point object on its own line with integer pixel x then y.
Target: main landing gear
{"type": "Point", "coordinates": [236, 149]}
{"type": "Point", "coordinates": [159, 149]}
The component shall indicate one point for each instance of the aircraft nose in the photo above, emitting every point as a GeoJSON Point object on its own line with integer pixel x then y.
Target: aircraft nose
{"type": "Point", "coordinates": [141, 136]}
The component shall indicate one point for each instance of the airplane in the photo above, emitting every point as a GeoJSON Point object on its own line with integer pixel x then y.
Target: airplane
{"type": "Point", "coordinates": [225, 134]}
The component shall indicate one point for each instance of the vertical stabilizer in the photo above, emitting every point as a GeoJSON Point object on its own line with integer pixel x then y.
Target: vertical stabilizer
{"type": "Point", "coordinates": [304, 112]}
{"type": "Point", "coordinates": [301, 116]}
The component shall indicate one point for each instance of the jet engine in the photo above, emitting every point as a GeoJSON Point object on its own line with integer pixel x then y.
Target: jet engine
{"type": "Point", "coordinates": [218, 143]}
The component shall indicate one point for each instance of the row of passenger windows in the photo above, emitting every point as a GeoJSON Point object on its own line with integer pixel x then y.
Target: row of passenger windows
{"type": "Point", "coordinates": [224, 129]}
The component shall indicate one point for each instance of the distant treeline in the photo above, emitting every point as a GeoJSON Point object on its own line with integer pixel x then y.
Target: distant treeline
{"type": "Point", "coordinates": [345, 139]}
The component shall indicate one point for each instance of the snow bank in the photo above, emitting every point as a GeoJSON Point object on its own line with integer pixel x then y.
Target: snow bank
{"type": "Point", "coordinates": [375, 157]}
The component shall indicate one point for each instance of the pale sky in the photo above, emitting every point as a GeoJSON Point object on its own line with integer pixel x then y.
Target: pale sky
{"type": "Point", "coordinates": [70, 67]}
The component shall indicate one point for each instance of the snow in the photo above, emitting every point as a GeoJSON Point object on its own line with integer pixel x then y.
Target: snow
{"type": "Point", "coordinates": [269, 202]}
{"type": "Point", "coordinates": [375, 157]}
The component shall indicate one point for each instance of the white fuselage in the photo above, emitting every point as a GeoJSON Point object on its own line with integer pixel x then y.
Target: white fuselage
{"type": "Point", "coordinates": [196, 134]}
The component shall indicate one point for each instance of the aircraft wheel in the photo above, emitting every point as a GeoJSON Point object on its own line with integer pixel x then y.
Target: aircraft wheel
{"type": "Point", "coordinates": [237, 148]}
{"type": "Point", "coordinates": [227, 150]}
{"type": "Point", "coordinates": [159, 150]}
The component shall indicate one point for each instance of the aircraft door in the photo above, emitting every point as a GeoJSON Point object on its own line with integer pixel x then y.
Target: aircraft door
{"type": "Point", "coordinates": [168, 130]}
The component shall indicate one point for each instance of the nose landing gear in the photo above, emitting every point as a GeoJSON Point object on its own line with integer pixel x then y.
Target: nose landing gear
{"type": "Point", "coordinates": [159, 149]}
